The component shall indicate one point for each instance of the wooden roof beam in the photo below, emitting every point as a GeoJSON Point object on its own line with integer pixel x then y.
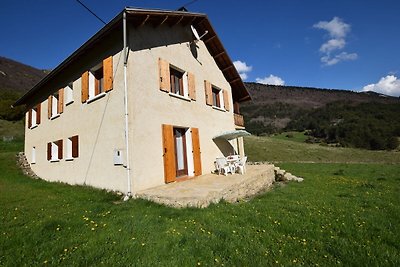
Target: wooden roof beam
{"type": "Point", "coordinates": [227, 68]}
{"type": "Point", "coordinates": [235, 80]}
{"type": "Point", "coordinates": [210, 39]}
{"type": "Point", "coordinates": [177, 22]}
{"type": "Point", "coordinates": [219, 54]}
{"type": "Point", "coordinates": [190, 21]}
{"type": "Point", "coordinates": [144, 21]}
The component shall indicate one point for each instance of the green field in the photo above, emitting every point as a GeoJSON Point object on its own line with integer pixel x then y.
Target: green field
{"type": "Point", "coordinates": [342, 214]}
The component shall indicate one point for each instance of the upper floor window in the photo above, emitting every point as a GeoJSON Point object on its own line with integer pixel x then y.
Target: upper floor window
{"type": "Point", "coordinates": [216, 97]}
{"type": "Point", "coordinates": [176, 82]}
{"type": "Point", "coordinates": [97, 81]}
{"type": "Point", "coordinates": [69, 93]}
{"type": "Point", "coordinates": [56, 104]}
{"type": "Point", "coordinates": [34, 116]}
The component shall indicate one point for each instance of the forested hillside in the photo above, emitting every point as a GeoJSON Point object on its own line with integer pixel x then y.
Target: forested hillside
{"type": "Point", "coordinates": [366, 119]}
{"type": "Point", "coordinates": [15, 79]}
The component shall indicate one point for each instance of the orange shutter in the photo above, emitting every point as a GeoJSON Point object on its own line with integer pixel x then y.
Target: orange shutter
{"type": "Point", "coordinates": [165, 83]}
{"type": "Point", "coordinates": [208, 90]}
{"type": "Point", "coordinates": [196, 151]}
{"type": "Point", "coordinates": [48, 151]}
{"type": "Point", "coordinates": [49, 105]}
{"type": "Point", "coordinates": [60, 149]}
{"type": "Point", "coordinates": [108, 73]}
{"type": "Point", "coordinates": [191, 86]}
{"type": "Point", "coordinates": [60, 106]}
{"type": "Point", "coordinates": [38, 113]}
{"type": "Point", "coordinates": [168, 153]}
{"type": "Point", "coordinates": [75, 146]}
{"type": "Point", "coordinates": [30, 118]}
{"type": "Point", "coordinates": [85, 86]}
{"type": "Point", "coordinates": [226, 99]}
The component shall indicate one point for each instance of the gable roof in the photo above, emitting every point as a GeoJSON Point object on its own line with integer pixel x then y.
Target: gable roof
{"type": "Point", "coordinates": [157, 17]}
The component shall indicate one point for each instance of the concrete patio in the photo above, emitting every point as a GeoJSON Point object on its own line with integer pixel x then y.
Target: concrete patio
{"type": "Point", "coordinates": [211, 188]}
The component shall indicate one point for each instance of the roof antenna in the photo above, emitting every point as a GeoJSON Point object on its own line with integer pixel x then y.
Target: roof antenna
{"type": "Point", "coordinates": [184, 9]}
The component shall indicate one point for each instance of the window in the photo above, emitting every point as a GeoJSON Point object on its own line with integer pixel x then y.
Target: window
{"type": "Point", "coordinates": [34, 117]}
{"type": "Point", "coordinates": [54, 151]}
{"type": "Point", "coordinates": [33, 160]}
{"type": "Point", "coordinates": [69, 91]}
{"type": "Point", "coordinates": [56, 104]}
{"type": "Point", "coordinates": [97, 81]}
{"type": "Point", "coordinates": [72, 148]}
{"type": "Point", "coordinates": [216, 97]}
{"type": "Point", "coordinates": [176, 82]}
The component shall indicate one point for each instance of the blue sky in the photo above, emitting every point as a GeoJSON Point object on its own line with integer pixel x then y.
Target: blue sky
{"type": "Point", "coordinates": [339, 44]}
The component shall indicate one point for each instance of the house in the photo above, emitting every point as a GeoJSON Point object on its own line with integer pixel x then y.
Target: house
{"type": "Point", "coordinates": [140, 104]}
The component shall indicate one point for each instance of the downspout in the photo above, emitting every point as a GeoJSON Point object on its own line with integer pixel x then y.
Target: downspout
{"type": "Point", "coordinates": [128, 168]}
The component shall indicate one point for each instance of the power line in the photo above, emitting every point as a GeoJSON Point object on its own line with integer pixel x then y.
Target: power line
{"type": "Point", "coordinates": [88, 9]}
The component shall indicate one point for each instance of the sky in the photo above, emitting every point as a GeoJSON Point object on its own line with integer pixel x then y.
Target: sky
{"type": "Point", "coordinates": [340, 44]}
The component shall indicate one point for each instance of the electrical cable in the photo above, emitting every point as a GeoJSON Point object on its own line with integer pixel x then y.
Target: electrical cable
{"type": "Point", "coordinates": [88, 9]}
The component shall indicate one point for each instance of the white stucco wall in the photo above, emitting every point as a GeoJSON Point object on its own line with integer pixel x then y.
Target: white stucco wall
{"type": "Point", "coordinates": [100, 127]}
{"type": "Point", "coordinates": [100, 124]}
{"type": "Point", "coordinates": [150, 107]}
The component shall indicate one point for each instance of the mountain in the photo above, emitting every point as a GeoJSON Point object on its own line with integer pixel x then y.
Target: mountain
{"type": "Point", "coordinates": [273, 107]}
{"type": "Point", "coordinates": [17, 77]}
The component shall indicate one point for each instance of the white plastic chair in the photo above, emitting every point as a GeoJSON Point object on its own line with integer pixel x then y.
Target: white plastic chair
{"type": "Point", "coordinates": [241, 165]}
{"type": "Point", "coordinates": [222, 166]}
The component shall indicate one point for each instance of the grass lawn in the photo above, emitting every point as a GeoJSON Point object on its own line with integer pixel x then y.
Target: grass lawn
{"type": "Point", "coordinates": [342, 214]}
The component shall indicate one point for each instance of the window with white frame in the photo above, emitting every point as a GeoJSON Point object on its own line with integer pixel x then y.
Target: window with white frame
{"type": "Point", "coordinates": [217, 97]}
{"type": "Point", "coordinates": [72, 147]}
{"type": "Point", "coordinates": [33, 156]}
{"type": "Point", "coordinates": [68, 91]}
{"type": "Point", "coordinates": [34, 116]}
{"type": "Point", "coordinates": [179, 82]}
{"type": "Point", "coordinates": [54, 104]}
{"type": "Point", "coordinates": [54, 151]}
{"type": "Point", "coordinates": [96, 81]}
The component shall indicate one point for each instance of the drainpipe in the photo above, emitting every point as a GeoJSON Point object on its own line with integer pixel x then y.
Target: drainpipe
{"type": "Point", "coordinates": [128, 168]}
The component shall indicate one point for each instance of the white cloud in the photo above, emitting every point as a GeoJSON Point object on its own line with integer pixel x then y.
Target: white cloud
{"type": "Point", "coordinates": [329, 60]}
{"type": "Point", "coordinates": [336, 27]}
{"type": "Point", "coordinates": [271, 79]}
{"type": "Point", "coordinates": [337, 30]}
{"type": "Point", "coordinates": [389, 85]}
{"type": "Point", "coordinates": [242, 68]}
{"type": "Point", "coordinates": [331, 45]}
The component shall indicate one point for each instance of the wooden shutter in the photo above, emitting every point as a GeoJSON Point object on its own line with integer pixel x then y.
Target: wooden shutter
{"type": "Point", "coordinates": [60, 105]}
{"type": "Point", "coordinates": [75, 146]}
{"type": "Point", "coordinates": [48, 151]}
{"type": "Point", "coordinates": [85, 86]}
{"type": "Point", "coordinates": [226, 99]}
{"type": "Point", "coordinates": [108, 73]}
{"type": "Point", "coordinates": [38, 113]}
{"type": "Point", "coordinates": [60, 149]}
{"type": "Point", "coordinates": [49, 105]}
{"type": "Point", "coordinates": [165, 83]}
{"type": "Point", "coordinates": [196, 151]}
{"type": "Point", "coordinates": [30, 118]}
{"type": "Point", "coordinates": [191, 86]}
{"type": "Point", "coordinates": [168, 153]}
{"type": "Point", "coordinates": [208, 90]}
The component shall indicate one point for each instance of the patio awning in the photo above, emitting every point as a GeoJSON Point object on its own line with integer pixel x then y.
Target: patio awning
{"type": "Point", "coordinates": [232, 134]}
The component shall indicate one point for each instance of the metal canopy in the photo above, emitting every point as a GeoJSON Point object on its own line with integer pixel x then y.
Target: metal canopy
{"type": "Point", "coordinates": [232, 134]}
